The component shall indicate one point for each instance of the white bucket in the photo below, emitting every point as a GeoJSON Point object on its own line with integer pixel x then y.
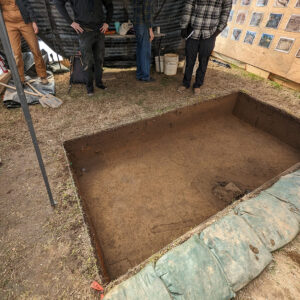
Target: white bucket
{"type": "Point", "coordinates": [171, 64]}
{"type": "Point", "coordinates": [159, 68]}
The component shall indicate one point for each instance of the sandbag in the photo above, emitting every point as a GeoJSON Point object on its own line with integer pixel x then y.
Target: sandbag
{"type": "Point", "coordinates": [271, 219]}
{"type": "Point", "coordinates": [297, 173]}
{"type": "Point", "coordinates": [144, 285]}
{"type": "Point", "coordinates": [238, 249]}
{"type": "Point", "coordinates": [287, 188]}
{"type": "Point", "coordinates": [191, 272]}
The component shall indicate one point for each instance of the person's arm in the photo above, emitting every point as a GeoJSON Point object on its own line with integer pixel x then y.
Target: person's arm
{"type": "Point", "coordinates": [187, 13]}
{"type": "Point", "coordinates": [61, 7]}
{"type": "Point", "coordinates": [29, 11]}
{"type": "Point", "coordinates": [186, 17]}
{"type": "Point", "coordinates": [32, 15]}
{"type": "Point", "coordinates": [147, 12]}
{"type": "Point", "coordinates": [109, 14]}
{"type": "Point", "coordinates": [226, 8]}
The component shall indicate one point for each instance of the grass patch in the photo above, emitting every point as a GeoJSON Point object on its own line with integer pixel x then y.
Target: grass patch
{"type": "Point", "coordinates": [252, 76]}
{"type": "Point", "coordinates": [275, 85]}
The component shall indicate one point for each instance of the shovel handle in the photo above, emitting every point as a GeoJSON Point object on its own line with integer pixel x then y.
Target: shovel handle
{"type": "Point", "coordinates": [14, 88]}
{"type": "Point", "coordinates": [34, 89]}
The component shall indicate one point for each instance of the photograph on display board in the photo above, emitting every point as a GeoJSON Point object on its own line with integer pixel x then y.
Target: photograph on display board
{"type": "Point", "coordinates": [224, 33]}
{"type": "Point", "coordinates": [241, 17]}
{"type": "Point", "coordinates": [266, 40]}
{"type": "Point", "coordinates": [281, 3]}
{"type": "Point", "coordinates": [246, 2]}
{"type": "Point", "coordinates": [297, 4]}
{"type": "Point", "coordinates": [293, 24]}
{"type": "Point", "coordinates": [256, 19]}
{"type": "Point", "coordinates": [236, 34]}
{"type": "Point", "coordinates": [298, 53]}
{"type": "Point", "coordinates": [230, 15]}
{"type": "Point", "coordinates": [249, 38]}
{"type": "Point", "coordinates": [285, 44]}
{"type": "Point", "coordinates": [262, 3]}
{"type": "Point", "coordinates": [274, 21]}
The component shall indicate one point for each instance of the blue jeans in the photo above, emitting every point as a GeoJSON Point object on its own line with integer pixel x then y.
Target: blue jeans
{"type": "Point", "coordinates": [143, 52]}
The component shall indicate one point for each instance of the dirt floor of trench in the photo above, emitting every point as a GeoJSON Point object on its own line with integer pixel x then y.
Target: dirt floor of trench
{"type": "Point", "coordinates": [146, 184]}
{"type": "Point", "coordinates": [47, 254]}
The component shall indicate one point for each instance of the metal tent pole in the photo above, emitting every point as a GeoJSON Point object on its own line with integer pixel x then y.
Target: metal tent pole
{"type": "Point", "coordinates": [21, 94]}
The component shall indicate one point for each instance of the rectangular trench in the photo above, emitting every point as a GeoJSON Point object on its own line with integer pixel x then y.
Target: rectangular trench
{"type": "Point", "coordinates": [144, 184]}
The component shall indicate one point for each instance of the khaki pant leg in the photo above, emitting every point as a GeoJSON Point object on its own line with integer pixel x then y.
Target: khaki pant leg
{"type": "Point", "coordinates": [15, 41]}
{"type": "Point", "coordinates": [32, 41]}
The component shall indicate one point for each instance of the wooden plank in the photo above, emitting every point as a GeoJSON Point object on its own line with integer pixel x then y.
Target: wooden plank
{"type": "Point", "coordinates": [4, 78]}
{"type": "Point", "coordinates": [284, 82]}
{"type": "Point", "coordinates": [257, 71]}
{"type": "Point", "coordinates": [229, 60]}
{"type": "Point", "coordinates": [271, 60]}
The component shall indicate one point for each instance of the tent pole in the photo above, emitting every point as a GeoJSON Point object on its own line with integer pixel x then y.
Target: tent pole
{"type": "Point", "coordinates": [21, 94]}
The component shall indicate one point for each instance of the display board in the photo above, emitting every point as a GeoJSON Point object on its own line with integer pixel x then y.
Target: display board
{"type": "Point", "coordinates": [264, 34]}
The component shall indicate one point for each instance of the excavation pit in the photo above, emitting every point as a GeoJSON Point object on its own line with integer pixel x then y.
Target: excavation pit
{"type": "Point", "coordinates": [144, 184]}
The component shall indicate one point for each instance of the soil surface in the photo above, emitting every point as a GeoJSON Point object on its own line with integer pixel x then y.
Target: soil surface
{"type": "Point", "coordinates": [146, 184]}
{"type": "Point", "coordinates": [46, 253]}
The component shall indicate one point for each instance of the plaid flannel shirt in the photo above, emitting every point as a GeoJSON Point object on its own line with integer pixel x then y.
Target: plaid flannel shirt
{"type": "Point", "coordinates": [142, 12]}
{"type": "Point", "coordinates": [205, 16]}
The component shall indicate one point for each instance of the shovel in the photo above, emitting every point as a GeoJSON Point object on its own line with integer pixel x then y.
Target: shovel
{"type": "Point", "coordinates": [46, 100]}
{"type": "Point", "coordinates": [14, 88]}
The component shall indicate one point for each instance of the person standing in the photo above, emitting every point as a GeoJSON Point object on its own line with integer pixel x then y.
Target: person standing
{"type": "Point", "coordinates": [200, 24]}
{"type": "Point", "coordinates": [143, 22]}
{"type": "Point", "coordinates": [90, 23]}
{"type": "Point", "coordinates": [20, 20]}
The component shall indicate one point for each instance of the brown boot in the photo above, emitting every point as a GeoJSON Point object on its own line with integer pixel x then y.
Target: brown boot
{"type": "Point", "coordinates": [44, 81]}
{"type": "Point", "coordinates": [182, 88]}
{"type": "Point", "coordinates": [197, 91]}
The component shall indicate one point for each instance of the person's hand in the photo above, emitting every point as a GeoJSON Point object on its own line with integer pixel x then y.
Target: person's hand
{"type": "Point", "coordinates": [77, 27]}
{"type": "Point", "coordinates": [184, 33]}
{"type": "Point", "coordinates": [104, 28]}
{"type": "Point", "coordinates": [35, 28]}
{"type": "Point", "coordinates": [151, 34]}
{"type": "Point", "coordinates": [217, 33]}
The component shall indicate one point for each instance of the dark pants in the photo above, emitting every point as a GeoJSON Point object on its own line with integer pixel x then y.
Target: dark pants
{"type": "Point", "coordinates": [92, 48]}
{"type": "Point", "coordinates": [143, 52]}
{"type": "Point", "coordinates": [204, 49]}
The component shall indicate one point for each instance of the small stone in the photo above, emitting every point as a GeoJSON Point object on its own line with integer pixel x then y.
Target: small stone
{"type": "Point", "coordinates": [231, 187]}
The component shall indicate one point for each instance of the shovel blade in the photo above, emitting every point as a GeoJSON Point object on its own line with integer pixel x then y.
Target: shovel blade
{"type": "Point", "coordinates": [50, 101]}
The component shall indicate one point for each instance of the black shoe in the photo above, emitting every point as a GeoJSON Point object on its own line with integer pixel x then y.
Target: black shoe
{"type": "Point", "coordinates": [101, 86]}
{"type": "Point", "coordinates": [151, 79]}
{"type": "Point", "coordinates": [90, 90]}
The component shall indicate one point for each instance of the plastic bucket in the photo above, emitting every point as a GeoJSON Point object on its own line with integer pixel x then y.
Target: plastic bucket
{"type": "Point", "coordinates": [159, 64]}
{"type": "Point", "coordinates": [171, 64]}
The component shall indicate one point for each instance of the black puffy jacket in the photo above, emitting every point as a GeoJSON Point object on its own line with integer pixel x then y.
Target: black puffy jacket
{"type": "Point", "coordinates": [26, 11]}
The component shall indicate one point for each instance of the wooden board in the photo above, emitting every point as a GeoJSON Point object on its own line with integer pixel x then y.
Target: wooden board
{"type": "Point", "coordinates": [286, 65]}
{"type": "Point", "coordinates": [258, 71]}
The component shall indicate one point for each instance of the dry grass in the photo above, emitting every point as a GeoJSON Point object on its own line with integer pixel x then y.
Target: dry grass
{"type": "Point", "coordinates": [46, 253]}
